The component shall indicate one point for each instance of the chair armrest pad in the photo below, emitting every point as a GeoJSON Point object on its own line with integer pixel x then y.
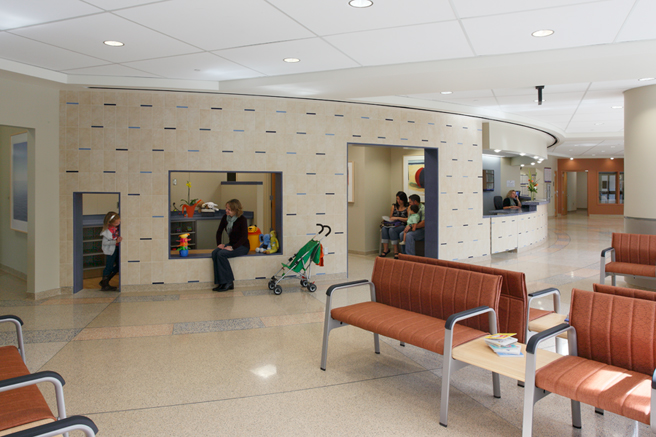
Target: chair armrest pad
{"type": "Point", "coordinates": [545, 292]}
{"type": "Point", "coordinates": [332, 288]}
{"type": "Point", "coordinates": [32, 377]}
{"type": "Point", "coordinates": [608, 249]}
{"type": "Point", "coordinates": [74, 422]}
{"type": "Point", "coordinates": [532, 345]}
{"type": "Point", "coordinates": [653, 381]}
{"type": "Point", "coordinates": [8, 318]}
{"type": "Point", "coordinates": [466, 314]}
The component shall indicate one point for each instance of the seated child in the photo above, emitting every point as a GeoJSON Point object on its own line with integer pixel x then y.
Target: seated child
{"type": "Point", "coordinates": [413, 219]}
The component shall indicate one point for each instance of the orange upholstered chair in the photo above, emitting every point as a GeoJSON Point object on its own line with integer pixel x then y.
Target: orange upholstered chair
{"type": "Point", "coordinates": [611, 362]}
{"type": "Point", "coordinates": [631, 255]}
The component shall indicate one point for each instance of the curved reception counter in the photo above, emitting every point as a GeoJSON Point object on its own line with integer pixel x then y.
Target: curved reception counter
{"type": "Point", "coordinates": [513, 229]}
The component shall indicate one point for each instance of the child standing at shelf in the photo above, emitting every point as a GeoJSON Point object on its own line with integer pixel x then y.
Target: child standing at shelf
{"type": "Point", "coordinates": [411, 224]}
{"type": "Point", "coordinates": [110, 242]}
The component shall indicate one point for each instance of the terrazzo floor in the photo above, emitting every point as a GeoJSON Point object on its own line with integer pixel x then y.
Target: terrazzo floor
{"type": "Point", "coordinates": [246, 362]}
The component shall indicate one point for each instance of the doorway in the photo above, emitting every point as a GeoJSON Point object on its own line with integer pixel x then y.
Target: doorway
{"type": "Point", "coordinates": [89, 210]}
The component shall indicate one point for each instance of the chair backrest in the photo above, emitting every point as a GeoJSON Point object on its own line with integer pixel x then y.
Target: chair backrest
{"type": "Point", "coordinates": [635, 248]}
{"type": "Point", "coordinates": [615, 330]}
{"type": "Point", "coordinates": [498, 202]}
{"type": "Point", "coordinates": [627, 292]}
{"type": "Point", "coordinates": [513, 301]}
{"type": "Point", "coordinates": [434, 290]}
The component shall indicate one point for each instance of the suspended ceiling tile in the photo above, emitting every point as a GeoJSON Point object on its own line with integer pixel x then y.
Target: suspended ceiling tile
{"type": "Point", "coordinates": [547, 91]}
{"type": "Point", "coordinates": [622, 85]}
{"type": "Point", "coordinates": [424, 42]}
{"type": "Point", "coordinates": [110, 70]}
{"type": "Point", "coordinates": [315, 55]}
{"type": "Point", "coordinates": [456, 95]}
{"type": "Point", "coordinates": [26, 51]}
{"type": "Point", "coordinates": [334, 17]}
{"type": "Point", "coordinates": [214, 25]}
{"type": "Point", "coordinates": [86, 35]}
{"type": "Point", "coordinates": [640, 23]}
{"type": "Point", "coordinates": [477, 8]}
{"type": "Point", "coordinates": [209, 66]}
{"type": "Point", "coordinates": [577, 25]}
{"type": "Point", "coordinates": [19, 13]}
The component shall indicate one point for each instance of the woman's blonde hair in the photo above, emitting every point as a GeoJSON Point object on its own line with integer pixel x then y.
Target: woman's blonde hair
{"type": "Point", "coordinates": [235, 205]}
{"type": "Point", "coordinates": [110, 217]}
{"type": "Point", "coordinates": [509, 193]}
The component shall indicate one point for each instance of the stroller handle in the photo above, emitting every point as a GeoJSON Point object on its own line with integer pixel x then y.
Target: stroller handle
{"type": "Point", "coordinates": [322, 228]}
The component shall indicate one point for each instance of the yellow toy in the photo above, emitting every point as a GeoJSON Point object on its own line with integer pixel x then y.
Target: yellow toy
{"type": "Point", "coordinates": [274, 244]}
{"type": "Point", "coordinates": [254, 237]}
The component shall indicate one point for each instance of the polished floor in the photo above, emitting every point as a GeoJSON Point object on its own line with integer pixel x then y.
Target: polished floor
{"type": "Point", "coordinates": [246, 363]}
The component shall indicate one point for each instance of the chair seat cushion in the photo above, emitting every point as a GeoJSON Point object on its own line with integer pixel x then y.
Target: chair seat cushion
{"type": "Point", "coordinates": [535, 313]}
{"type": "Point", "coordinates": [610, 388]}
{"type": "Point", "coordinates": [631, 269]}
{"type": "Point", "coordinates": [413, 328]}
{"type": "Point", "coordinates": [22, 405]}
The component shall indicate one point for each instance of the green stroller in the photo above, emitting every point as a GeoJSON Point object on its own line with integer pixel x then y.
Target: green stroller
{"type": "Point", "coordinates": [301, 262]}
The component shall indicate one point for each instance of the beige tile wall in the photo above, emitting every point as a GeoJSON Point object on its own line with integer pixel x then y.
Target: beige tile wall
{"type": "Point", "coordinates": [128, 141]}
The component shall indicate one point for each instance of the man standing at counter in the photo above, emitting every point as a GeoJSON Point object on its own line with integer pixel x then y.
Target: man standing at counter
{"type": "Point", "coordinates": [512, 201]}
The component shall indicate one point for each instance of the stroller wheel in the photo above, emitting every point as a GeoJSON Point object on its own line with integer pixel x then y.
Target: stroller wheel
{"type": "Point", "coordinates": [304, 283]}
{"type": "Point", "coordinates": [312, 288]}
{"type": "Point", "coordinates": [272, 284]}
{"type": "Point", "coordinates": [277, 289]}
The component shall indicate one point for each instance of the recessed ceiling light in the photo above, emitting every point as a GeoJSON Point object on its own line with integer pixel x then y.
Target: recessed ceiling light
{"type": "Point", "coordinates": [446, 92]}
{"type": "Point", "coordinates": [536, 157]}
{"type": "Point", "coordinates": [497, 150]}
{"type": "Point", "coordinates": [642, 79]}
{"type": "Point", "coordinates": [532, 163]}
{"type": "Point", "coordinates": [611, 158]}
{"type": "Point", "coordinates": [571, 159]}
{"type": "Point", "coordinates": [113, 43]}
{"type": "Point", "coordinates": [617, 107]}
{"type": "Point", "coordinates": [542, 33]}
{"type": "Point", "coordinates": [522, 154]}
{"type": "Point", "coordinates": [538, 101]}
{"type": "Point", "coordinates": [361, 3]}
{"type": "Point", "coordinates": [521, 165]}
{"type": "Point", "coordinates": [291, 60]}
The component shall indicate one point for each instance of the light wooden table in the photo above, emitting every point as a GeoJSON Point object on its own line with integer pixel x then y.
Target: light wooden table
{"type": "Point", "coordinates": [546, 322]}
{"type": "Point", "coordinates": [478, 353]}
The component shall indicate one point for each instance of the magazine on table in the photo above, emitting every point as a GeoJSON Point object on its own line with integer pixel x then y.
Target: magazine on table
{"type": "Point", "coordinates": [504, 345]}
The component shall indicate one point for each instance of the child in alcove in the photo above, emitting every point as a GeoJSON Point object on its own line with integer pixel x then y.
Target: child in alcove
{"type": "Point", "coordinates": [110, 247]}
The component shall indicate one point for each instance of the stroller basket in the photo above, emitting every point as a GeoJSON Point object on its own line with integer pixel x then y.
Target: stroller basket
{"type": "Point", "coordinates": [301, 263]}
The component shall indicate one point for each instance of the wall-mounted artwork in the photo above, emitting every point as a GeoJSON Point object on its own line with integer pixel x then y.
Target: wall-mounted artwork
{"type": "Point", "coordinates": [413, 176]}
{"type": "Point", "coordinates": [350, 193]}
{"type": "Point", "coordinates": [18, 198]}
{"type": "Point", "coordinates": [488, 180]}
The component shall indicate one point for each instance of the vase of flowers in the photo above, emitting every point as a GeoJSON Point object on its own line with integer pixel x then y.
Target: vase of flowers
{"type": "Point", "coordinates": [189, 205]}
{"type": "Point", "coordinates": [533, 187]}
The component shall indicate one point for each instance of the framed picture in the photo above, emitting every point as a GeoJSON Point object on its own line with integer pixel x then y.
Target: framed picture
{"type": "Point", "coordinates": [488, 180]}
{"type": "Point", "coordinates": [413, 176]}
{"type": "Point", "coordinates": [547, 174]}
{"type": "Point", "coordinates": [18, 190]}
{"type": "Point", "coordinates": [350, 190]}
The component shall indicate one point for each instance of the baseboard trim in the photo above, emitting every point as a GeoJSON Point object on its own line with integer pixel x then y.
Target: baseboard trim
{"type": "Point", "coordinates": [44, 294]}
{"type": "Point", "coordinates": [13, 272]}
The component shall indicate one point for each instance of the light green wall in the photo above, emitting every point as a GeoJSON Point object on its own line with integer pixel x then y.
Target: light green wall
{"type": "Point", "coordinates": [34, 104]}
{"type": "Point", "coordinates": [13, 244]}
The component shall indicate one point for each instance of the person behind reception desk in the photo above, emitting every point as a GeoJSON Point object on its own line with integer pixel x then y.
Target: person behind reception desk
{"type": "Point", "coordinates": [512, 201]}
{"type": "Point", "coordinates": [235, 224]}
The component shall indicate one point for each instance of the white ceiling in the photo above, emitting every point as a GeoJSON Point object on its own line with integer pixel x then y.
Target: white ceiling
{"type": "Point", "coordinates": [393, 52]}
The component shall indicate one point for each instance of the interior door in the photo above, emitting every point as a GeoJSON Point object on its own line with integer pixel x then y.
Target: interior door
{"type": "Point", "coordinates": [563, 192]}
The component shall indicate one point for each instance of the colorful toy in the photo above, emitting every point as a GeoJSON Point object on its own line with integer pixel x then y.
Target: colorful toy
{"type": "Point", "coordinates": [184, 245]}
{"type": "Point", "coordinates": [188, 210]}
{"type": "Point", "coordinates": [265, 243]}
{"type": "Point", "coordinates": [274, 243]}
{"type": "Point", "coordinates": [253, 237]}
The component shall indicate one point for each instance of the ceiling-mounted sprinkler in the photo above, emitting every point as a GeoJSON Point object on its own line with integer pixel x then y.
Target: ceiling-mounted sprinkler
{"type": "Point", "coordinates": [539, 88]}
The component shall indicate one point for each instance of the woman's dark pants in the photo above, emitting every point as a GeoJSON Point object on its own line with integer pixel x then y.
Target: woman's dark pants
{"type": "Point", "coordinates": [222, 270]}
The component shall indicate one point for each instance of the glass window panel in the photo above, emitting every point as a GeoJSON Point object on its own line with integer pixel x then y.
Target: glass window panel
{"type": "Point", "coordinates": [622, 187]}
{"type": "Point", "coordinates": [607, 187]}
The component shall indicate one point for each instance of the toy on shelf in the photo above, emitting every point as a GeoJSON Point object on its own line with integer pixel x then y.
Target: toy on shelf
{"type": "Point", "coordinates": [188, 210]}
{"type": "Point", "coordinates": [184, 245]}
{"type": "Point", "coordinates": [209, 207]}
{"type": "Point", "coordinates": [253, 234]}
{"type": "Point", "coordinates": [268, 243]}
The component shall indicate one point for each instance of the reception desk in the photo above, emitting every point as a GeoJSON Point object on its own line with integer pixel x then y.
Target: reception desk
{"type": "Point", "coordinates": [514, 229]}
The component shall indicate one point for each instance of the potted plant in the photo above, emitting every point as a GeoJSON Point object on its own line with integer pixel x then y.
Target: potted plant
{"type": "Point", "coordinates": [189, 205]}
